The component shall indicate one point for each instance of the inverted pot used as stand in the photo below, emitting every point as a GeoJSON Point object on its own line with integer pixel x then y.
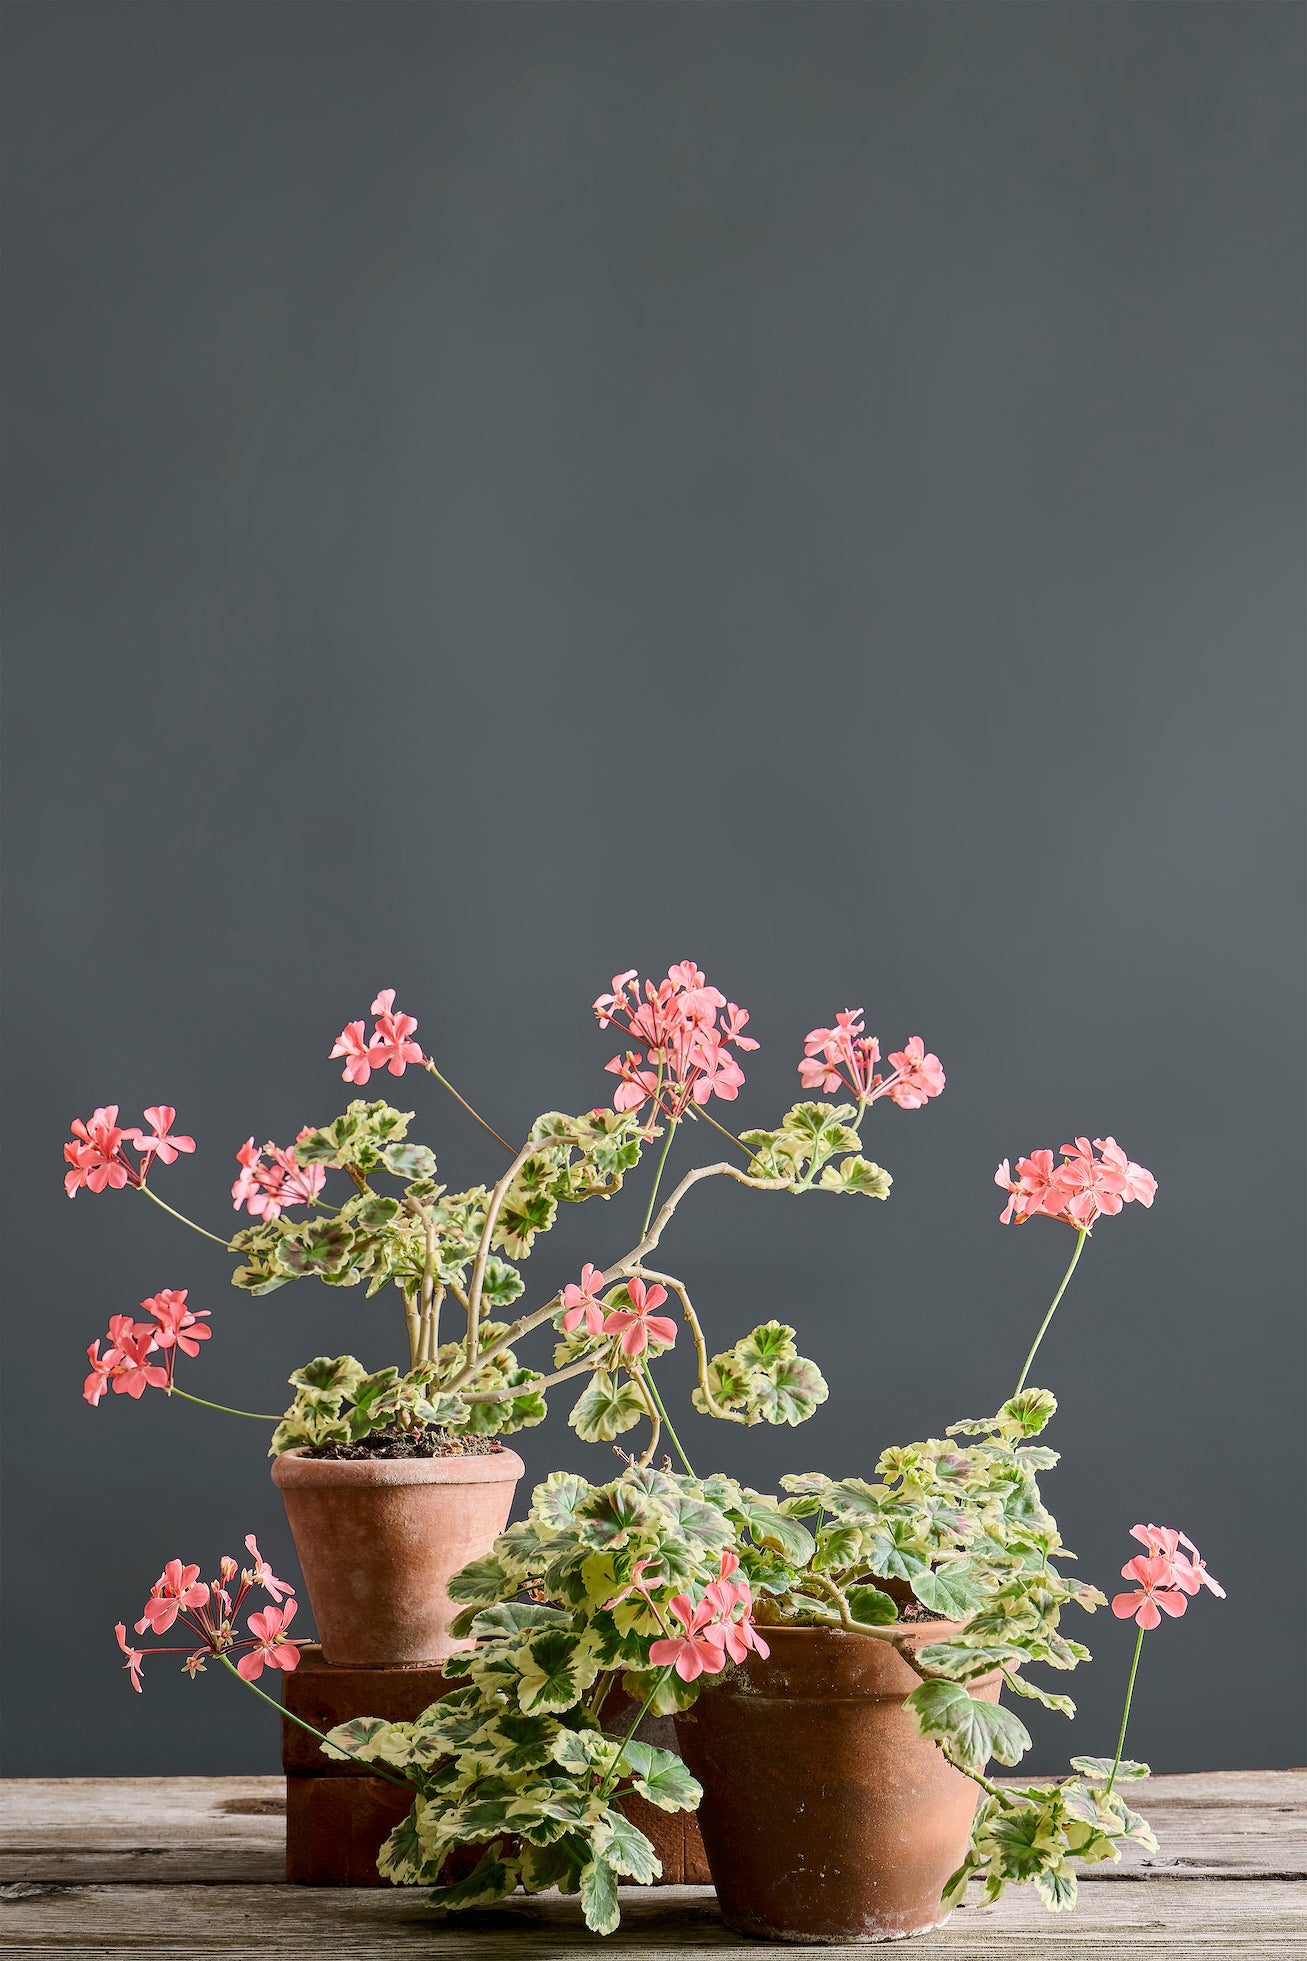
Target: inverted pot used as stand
{"type": "Point", "coordinates": [825, 1816]}
{"type": "Point", "coordinates": [379, 1539]}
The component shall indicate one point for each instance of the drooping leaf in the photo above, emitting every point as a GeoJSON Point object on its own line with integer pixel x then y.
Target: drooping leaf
{"type": "Point", "coordinates": [970, 1732]}
{"type": "Point", "coordinates": [513, 1617]}
{"type": "Point", "coordinates": [480, 1583]}
{"type": "Point", "coordinates": [1099, 1769]}
{"type": "Point", "coordinates": [493, 1878]}
{"type": "Point", "coordinates": [606, 1408]}
{"type": "Point", "coordinates": [857, 1175]}
{"type": "Point", "coordinates": [869, 1604]}
{"type": "Point", "coordinates": [599, 1896]}
{"type": "Point", "coordinates": [661, 1777]}
{"type": "Point", "coordinates": [625, 1848]}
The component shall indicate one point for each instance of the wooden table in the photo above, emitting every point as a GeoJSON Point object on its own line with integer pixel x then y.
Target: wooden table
{"type": "Point", "coordinates": [179, 1866]}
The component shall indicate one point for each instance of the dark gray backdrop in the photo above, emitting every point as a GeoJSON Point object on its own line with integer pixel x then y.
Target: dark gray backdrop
{"type": "Point", "coordinates": [497, 494]}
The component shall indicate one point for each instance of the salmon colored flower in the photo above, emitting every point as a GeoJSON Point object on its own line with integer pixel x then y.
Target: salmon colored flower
{"type": "Point", "coordinates": [158, 1142]}
{"type": "Point", "coordinates": [1080, 1190]}
{"type": "Point", "coordinates": [1158, 1593]}
{"type": "Point", "coordinates": [172, 1593]}
{"type": "Point", "coordinates": [102, 1368]}
{"type": "Point", "coordinates": [261, 1573]}
{"type": "Point", "coordinates": [700, 1650]}
{"type": "Point", "coordinates": [134, 1656]}
{"type": "Point", "coordinates": [637, 1582]}
{"type": "Point", "coordinates": [683, 1058]}
{"type": "Point", "coordinates": [96, 1154]}
{"type": "Point", "coordinates": [845, 1057]}
{"type": "Point", "coordinates": [1189, 1568]}
{"type": "Point", "coordinates": [353, 1045]}
{"type": "Point", "coordinates": [392, 1045]}
{"type": "Point", "coordinates": [271, 1649]}
{"type": "Point", "coordinates": [177, 1326]}
{"type": "Point", "coordinates": [132, 1374]}
{"type": "Point", "coordinates": [583, 1303]}
{"type": "Point", "coordinates": [919, 1075]}
{"type": "Point", "coordinates": [638, 1325]}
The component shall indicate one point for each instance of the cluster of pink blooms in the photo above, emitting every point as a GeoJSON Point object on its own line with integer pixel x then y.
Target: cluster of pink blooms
{"type": "Point", "coordinates": [719, 1628]}
{"type": "Point", "coordinates": [96, 1157]}
{"type": "Point", "coordinates": [1080, 1189]}
{"type": "Point", "coordinates": [125, 1367]}
{"type": "Point", "coordinates": [210, 1611]}
{"type": "Point", "coordinates": [265, 1190]}
{"type": "Point", "coordinates": [636, 1326]}
{"type": "Point", "coordinates": [683, 1055]}
{"type": "Point", "coordinates": [844, 1057]}
{"type": "Point", "coordinates": [1166, 1577]}
{"type": "Point", "coordinates": [391, 1046]}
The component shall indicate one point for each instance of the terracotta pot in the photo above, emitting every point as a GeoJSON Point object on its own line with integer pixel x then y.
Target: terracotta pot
{"type": "Point", "coordinates": [378, 1539]}
{"type": "Point", "coordinates": [825, 1816]}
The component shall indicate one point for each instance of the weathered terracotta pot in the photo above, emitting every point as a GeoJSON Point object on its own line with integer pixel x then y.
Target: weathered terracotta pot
{"type": "Point", "coordinates": [378, 1539]}
{"type": "Point", "coordinates": [825, 1816]}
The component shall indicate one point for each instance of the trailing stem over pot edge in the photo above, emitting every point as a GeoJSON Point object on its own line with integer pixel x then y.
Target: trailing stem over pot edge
{"type": "Point", "coordinates": [395, 1224]}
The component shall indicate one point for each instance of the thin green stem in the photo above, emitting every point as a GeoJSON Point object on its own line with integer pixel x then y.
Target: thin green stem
{"type": "Point", "coordinates": [373, 1769]}
{"type": "Point", "coordinates": [658, 1175]}
{"type": "Point", "coordinates": [255, 1416]}
{"type": "Point", "coordinates": [701, 1116]}
{"type": "Point", "coordinates": [1125, 1713]}
{"type": "Point", "coordinates": [1081, 1237]}
{"type": "Point", "coordinates": [613, 1772]}
{"type": "Point", "coordinates": [488, 1128]}
{"type": "Point", "coordinates": [224, 1243]}
{"type": "Point", "coordinates": [667, 1422]}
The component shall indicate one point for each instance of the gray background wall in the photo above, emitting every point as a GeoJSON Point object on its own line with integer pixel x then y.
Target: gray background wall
{"type": "Point", "coordinates": [498, 494]}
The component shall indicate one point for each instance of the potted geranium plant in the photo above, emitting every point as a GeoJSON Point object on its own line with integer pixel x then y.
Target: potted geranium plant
{"type": "Point", "coordinates": [390, 1477]}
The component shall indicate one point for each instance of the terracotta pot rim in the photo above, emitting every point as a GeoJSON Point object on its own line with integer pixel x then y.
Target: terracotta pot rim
{"type": "Point", "coordinates": [292, 1468]}
{"type": "Point", "coordinates": [922, 1631]}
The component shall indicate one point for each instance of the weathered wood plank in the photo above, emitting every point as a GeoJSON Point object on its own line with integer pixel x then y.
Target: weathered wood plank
{"type": "Point", "coordinates": [230, 1830]}
{"type": "Point", "coordinates": [1235, 1922]}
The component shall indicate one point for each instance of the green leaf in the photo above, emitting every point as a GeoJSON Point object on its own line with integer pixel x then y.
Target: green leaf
{"type": "Point", "coordinates": [969, 1732]}
{"type": "Point", "coordinates": [409, 1160]}
{"type": "Point", "coordinates": [962, 1662]}
{"type": "Point", "coordinates": [402, 1857]}
{"type": "Point", "coordinates": [336, 1376]}
{"type": "Point", "coordinates": [661, 1777]}
{"type": "Point", "coordinates": [1018, 1684]}
{"type": "Point", "coordinates": [556, 1670]}
{"type": "Point", "coordinates": [1027, 1414]}
{"type": "Point", "coordinates": [493, 1878]}
{"type": "Point", "coordinates": [608, 1517]}
{"type": "Point", "coordinates": [769, 1526]}
{"type": "Point", "coordinates": [869, 1604]}
{"type": "Point", "coordinates": [945, 1593]}
{"type": "Point", "coordinates": [599, 1896]}
{"type": "Point", "coordinates": [370, 1737]}
{"type": "Point", "coordinates": [1099, 1769]}
{"type": "Point", "coordinates": [625, 1848]}
{"type": "Point", "coordinates": [772, 1342]}
{"type": "Point", "coordinates": [515, 1742]}
{"type": "Point", "coordinates": [606, 1408]}
{"type": "Point", "coordinates": [513, 1617]}
{"type": "Point", "coordinates": [787, 1392]}
{"type": "Point", "coordinates": [586, 1751]}
{"type": "Point", "coordinates": [1057, 1887]}
{"type": "Point", "coordinates": [857, 1175]}
{"type": "Point", "coordinates": [480, 1583]}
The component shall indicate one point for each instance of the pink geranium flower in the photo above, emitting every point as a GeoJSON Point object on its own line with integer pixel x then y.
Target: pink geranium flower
{"type": "Point", "coordinates": [177, 1326]}
{"type": "Point", "coordinates": [132, 1374]}
{"type": "Point", "coordinates": [102, 1368]}
{"type": "Point", "coordinates": [700, 1650]}
{"type": "Point", "coordinates": [134, 1656]}
{"type": "Point", "coordinates": [920, 1075]}
{"type": "Point", "coordinates": [637, 1583]}
{"type": "Point", "coordinates": [96, 1153]}
{"type": "Point", "coordinates": [353, 1045]}
{"type": "Point", "coordinates": [1080, 1190]}
{"type": "Point", "coordinates": [1158, 1593]}
{"type": "Point", "coordinates": [172, 1593]}
{"type": "Point", "coordinates": [261, 1574]}
{"type": "Point", "coordinates": [1188, 1567]}
{"type": "Point", "coordinates": [265, 1190]}
{"type": "Point", "coordinates": [638, 1325]}
{"type": "Point", "coordinates": [158, 1141]}
{"type": "Point", "coordinates": [845, 1057]}
{"type": "Point", "coordinates": [392, 1045]}
{"type": "Point", "coordinates": [583, 1303]}
{"type": "Point", "coordinates": [271, 1649]}
{"type": "Point", "coordinates": [683, 1058]}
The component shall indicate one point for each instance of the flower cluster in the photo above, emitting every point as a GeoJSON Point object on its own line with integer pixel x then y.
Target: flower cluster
{"type": "Point", "coordinates": [124, 1364]}
{"type": "Point", "coordinates": [265, 1190]}
{"type": "Point", "coordinates": [635, 1323]}
{"type": "Point", "coordinates": [685, 1045]}
{"type": "Point", "coordinates": [845, 1057]}
{"type": "Point", "coordinates": [1166, 1578]}
{"type": "Point", "coordinates": [391, 1047]}
{"type": "Point", "coordinates": [718, 1628]}
{"type": "Point", "coordinates": [1080, 1189]}
{"type": "Point", "coordinates": [210, 1610]}
{"type": "Point", "coordinates": [96, 1157]}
